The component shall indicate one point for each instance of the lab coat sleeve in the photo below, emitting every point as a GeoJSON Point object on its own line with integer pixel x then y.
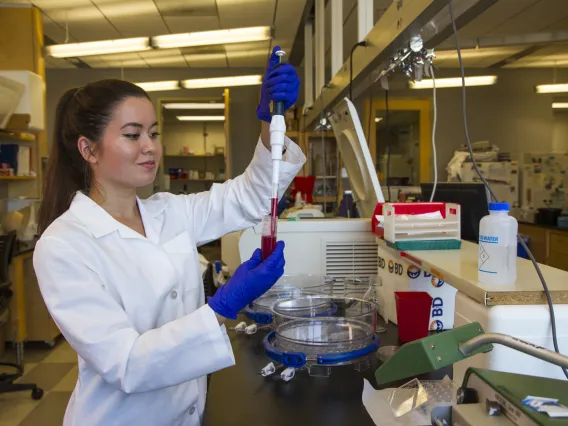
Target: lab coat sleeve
{"type": "Point", "coordinates": [241, 202]}
{"type": "Point", "coordinates": [98, 329]}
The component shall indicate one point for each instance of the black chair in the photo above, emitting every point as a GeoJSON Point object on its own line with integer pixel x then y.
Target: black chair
{"type": "Point", "coordinates": [7, 247]}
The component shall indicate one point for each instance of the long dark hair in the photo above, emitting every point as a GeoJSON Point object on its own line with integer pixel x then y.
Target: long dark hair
{"type": "Point", "coordinates": [80, 112]}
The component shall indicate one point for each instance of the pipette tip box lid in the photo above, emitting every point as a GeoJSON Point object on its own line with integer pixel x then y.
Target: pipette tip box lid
{"type": "Point", "coordinates": [418, 226]}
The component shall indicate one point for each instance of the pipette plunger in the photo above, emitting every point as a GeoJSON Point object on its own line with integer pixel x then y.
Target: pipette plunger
{"type": "Point", "coordinates": [277, 135]}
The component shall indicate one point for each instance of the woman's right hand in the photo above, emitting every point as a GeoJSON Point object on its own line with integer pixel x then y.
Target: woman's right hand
{"type": "Point", "coordinates": [250, 281]}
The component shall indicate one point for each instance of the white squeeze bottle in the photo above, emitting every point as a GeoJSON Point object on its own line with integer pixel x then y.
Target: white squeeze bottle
{"type": "Point", "coordinates": [498, 246]}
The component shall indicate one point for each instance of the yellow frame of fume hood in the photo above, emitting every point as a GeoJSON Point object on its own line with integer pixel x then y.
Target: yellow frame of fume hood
{"type": "Point", "coordinates": [424, 107]}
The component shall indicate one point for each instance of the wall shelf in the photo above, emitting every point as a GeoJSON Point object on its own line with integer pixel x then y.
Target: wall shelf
{"type": "Point", "coordinates": [17, 177]}
{"type": "Point", "coordinates": [22, 137]}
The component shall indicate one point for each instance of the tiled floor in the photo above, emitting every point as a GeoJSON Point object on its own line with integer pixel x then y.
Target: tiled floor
{"type": "Point", "coordinates": [55, 371]}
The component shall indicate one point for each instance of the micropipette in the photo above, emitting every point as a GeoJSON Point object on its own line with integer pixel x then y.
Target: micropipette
{"type": "Point", "coordinates": [277, 133]}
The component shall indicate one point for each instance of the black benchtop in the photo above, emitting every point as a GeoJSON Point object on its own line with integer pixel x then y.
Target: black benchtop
{"type": "Point", "coordinates": [239, 396]}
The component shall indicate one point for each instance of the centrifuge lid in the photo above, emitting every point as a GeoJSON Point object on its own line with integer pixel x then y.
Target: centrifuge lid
{"type": "Point", "coordinates": [356, 157]}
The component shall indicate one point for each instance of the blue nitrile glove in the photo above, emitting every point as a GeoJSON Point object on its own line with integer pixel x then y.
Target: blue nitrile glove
{"type": "Point", "coordinates": [280, 84]}
{"type": "Point", "coordinates": [250, 281]}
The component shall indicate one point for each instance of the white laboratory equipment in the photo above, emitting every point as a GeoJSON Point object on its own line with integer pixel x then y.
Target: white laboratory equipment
{"type": "Point", "coordinates": [497, 263]}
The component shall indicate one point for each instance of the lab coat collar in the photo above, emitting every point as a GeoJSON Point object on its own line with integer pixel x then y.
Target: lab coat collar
{"type": "Point", "coordinates": [100, 223]}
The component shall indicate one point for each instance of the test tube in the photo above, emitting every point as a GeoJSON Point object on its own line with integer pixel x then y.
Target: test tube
{"type": "Point", "coordinates": [268, 238]}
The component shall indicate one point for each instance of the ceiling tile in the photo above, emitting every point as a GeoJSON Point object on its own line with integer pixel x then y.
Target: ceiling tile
{"type": "Point", "coordinates": [95, 30]}
{"type": "Point", "coordinates": [214, 60]}
{"type": "Point", "coordinates": [187, 9]}
{"type": "Point", "coordinates": [177, 61]}
{"type": "Point", "coordinates": [76, 11]}
{"type": "Point", "coordinates": [58, 63]}
{"type": "Point", "coordinates": [129, 63]}
{"type": "Point", "coordinates": [534, 18]}
{"type": "Point", "coordinates": [95, 61]}
{"type": "Point", "coordinates": [248, 54]}
{"type": "Point", "coordinates": [248, 13]}
{"type": "Point", "coordinates": [475, 58]}
{"type": "Point", "coordinates": [60, 5]}
{"type": "Point", "coordinates": [183, 24]}
{"type": "Point", "coordinates": [495, 16]}
{"type": "Point", "coordinates": [560, 25]}
{"type": "Point", "coordinates": [146, 21]}
{"type": "Point", "coordinates": [286, 23]}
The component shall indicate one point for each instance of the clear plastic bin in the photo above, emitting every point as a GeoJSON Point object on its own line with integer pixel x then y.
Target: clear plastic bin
{"type": "Point", "coordinates": [322, 330]}
{"type": "Point", "coordinates": [287, 287]}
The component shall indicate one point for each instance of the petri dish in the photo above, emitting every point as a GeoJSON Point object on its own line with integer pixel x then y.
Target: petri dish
{"type": "Point", "coordinates": [321, 324]}
{"type": "Point", "coordinates": [288, 287]}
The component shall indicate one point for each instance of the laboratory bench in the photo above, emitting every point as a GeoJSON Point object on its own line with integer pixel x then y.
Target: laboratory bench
{"type": "Point", "coordinates": [459, 269]}
{"type": "Point", "coordinates": [548, 244]}
{"type": "Point", "coordinates": [239, 396]}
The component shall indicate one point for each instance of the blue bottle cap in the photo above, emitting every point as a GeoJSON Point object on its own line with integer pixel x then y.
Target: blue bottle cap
{"type": "Point", "coordinates": [503, 207]}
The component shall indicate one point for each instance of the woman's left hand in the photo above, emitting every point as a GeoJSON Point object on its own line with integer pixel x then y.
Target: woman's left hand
{"type": "Point", "coordinates": [280, 84]}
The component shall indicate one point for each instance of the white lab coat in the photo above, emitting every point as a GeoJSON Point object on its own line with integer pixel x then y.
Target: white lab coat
{"type": "Point", "coordinates": [133, 307]}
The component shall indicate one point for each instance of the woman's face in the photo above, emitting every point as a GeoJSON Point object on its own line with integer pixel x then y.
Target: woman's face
{"type": "Point", "coordinates": [130, 149]}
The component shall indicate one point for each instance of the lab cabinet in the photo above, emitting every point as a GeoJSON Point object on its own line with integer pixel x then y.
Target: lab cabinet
{"type": "Point", "coordinates": [548, 245]}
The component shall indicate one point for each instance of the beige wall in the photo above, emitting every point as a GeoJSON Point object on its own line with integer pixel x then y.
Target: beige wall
{"type": "Point", "coordinates": [176, 136]}
{"type": "Point", "coordinates": [560, 132]}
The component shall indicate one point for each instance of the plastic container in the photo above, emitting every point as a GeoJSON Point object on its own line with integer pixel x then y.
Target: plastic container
{"type": "Point", "coordinates": [362, 287]}
{"type": "Point", "coordinates": [288, 287]}
{"type": "Point", "coordinates": [322, 330]}
{"type": "Point", "coordinates": [497, 262]}
{"type": "Point", "coordinates": [413, 314]}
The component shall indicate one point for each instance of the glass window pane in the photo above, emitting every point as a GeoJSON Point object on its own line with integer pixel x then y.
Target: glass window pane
{"type": "Point", "coordinates": [403, 135]}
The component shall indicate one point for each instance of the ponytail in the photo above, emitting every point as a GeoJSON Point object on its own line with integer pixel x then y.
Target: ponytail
{"type": "Point", "coordinates": [83, 112]}
{"type": "Point", "coordinates": [62, 180]}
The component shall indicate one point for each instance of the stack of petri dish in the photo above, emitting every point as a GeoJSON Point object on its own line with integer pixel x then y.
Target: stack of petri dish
{"type": "Point", "coordinates": [317, 332]}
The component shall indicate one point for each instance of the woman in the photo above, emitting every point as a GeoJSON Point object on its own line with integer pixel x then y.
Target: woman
{"type": "Point", "coordinates": [120, 276]}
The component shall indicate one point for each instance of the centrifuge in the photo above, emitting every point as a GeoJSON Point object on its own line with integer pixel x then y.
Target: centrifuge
{"type": "Point", "coordinates": [316, 332]}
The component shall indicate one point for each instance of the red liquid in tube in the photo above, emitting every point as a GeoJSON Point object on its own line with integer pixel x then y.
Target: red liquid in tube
{"type": "Point", "coordinates": [268, 239]}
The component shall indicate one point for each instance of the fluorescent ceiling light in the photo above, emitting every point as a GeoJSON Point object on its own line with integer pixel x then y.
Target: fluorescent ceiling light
{"type": "Point", "coordinates": [208, 38]}
{"type": "Point", "coordinates": [552, 88]}
{"type": "Point", "coordinates": [482, 80]}
{"type": "Point", "coordinates": [194, 105]}
{"type": "Point", "coordinates": [201, 117]}
{"type": "Point", "coordinates": [243, 80]}
{"type": "Point", "coordinates": [560, 105]}
{"type": "Point", "coordinates": [103, 47]}
{"type": "Point", "coordinates": [154, 86]}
